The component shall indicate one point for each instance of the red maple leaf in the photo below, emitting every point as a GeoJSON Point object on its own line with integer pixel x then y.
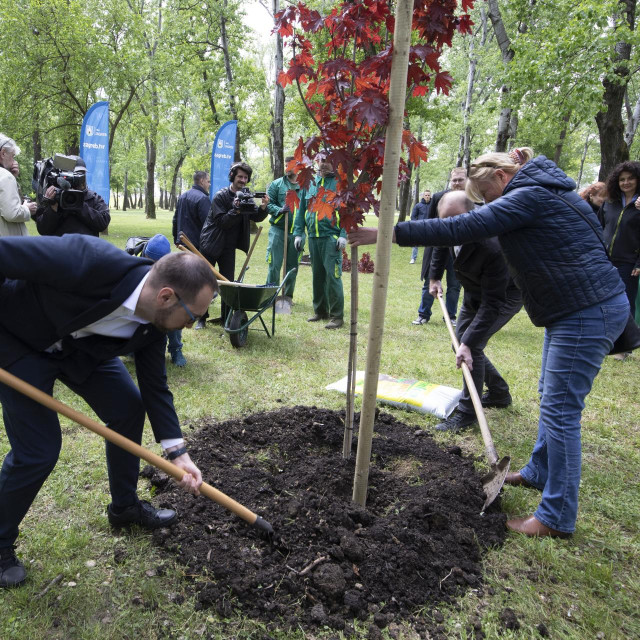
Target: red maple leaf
{"type": "Point", "coordinates": [420, 91]}
{"type": "Point", "coordinates": [322, 203]}
{"type": "Point", "coordinates": [292, 200]}
{"type": "Point", "coordinates": [443, 82]}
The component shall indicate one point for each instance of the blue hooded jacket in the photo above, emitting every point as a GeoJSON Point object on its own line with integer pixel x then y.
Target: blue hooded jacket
{"type": "Point", "coordinates": [553, 253]}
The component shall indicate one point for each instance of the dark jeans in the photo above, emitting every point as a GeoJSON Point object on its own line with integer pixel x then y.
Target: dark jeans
{"type": "Point", "coordinates": [452, 294]}
{"type": "Point", "coordinates": [35, 436]}
{"type": "Point", "coordinates": [630, 283]}
{"type": "Point", "coordinates": [483, 372]}
{"type": "Point", "coordinates": [174, 343]}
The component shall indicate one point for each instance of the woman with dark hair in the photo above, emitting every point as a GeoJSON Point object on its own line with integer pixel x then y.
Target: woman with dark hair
{"type": "Point", "coordinates": [595, 194]}
{"type": "Point", "coordinates": [620, 219]}
{"type": "Point", "coordinates": [551, 243]}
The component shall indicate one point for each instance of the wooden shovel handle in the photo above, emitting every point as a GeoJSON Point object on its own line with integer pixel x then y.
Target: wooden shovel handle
{"type": "Point", "coordinates": [251, 248]}
{"type": "Point", "coordinates": [492, 454]}
{"type": "Point", "coordinates": [124, 443]}
{"type": "Point", "coordinates": [183, 238]}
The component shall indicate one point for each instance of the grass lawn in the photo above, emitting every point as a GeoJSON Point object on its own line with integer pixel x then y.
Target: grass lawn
{"type": "Point", "coordinates": [106, 586]}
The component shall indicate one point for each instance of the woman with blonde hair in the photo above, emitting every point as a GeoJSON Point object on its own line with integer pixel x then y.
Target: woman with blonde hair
{"type": "Point", "coordinates": [552, 244]}
{"type": "Point", "coordinates": [13, 213]}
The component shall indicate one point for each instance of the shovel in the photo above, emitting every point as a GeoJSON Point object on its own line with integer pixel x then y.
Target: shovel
{"type": "Point", "coordinates": [135, 449]}
{"type": "Point", "coordinates": [283, 304]}
{"type": "Point", "coordinates": [492, 482]}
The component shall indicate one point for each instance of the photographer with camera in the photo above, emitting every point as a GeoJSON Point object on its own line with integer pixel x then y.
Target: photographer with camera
{"type": "Point", "coordinates": [67, 205]}
{"type": "Point", "coordinates": [228, 224]}
{"type": "Point", "coordinates": [13, 211]}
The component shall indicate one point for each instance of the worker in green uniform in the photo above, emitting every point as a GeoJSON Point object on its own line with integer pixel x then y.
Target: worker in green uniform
{"type": "Point", "coordinates": [279, 211]}
{"type": "Point", "coordinates": [326, 243]}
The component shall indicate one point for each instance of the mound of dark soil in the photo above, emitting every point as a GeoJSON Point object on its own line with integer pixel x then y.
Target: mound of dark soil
{"type": "Point", "coordinates": [418, 542]}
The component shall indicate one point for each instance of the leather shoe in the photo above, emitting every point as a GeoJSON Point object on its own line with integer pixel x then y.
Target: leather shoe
{"type": "Point", "coordinates": [456, 422]}
{"type": "Point", "coordinates": [515, 479]}
{"type": "Point", "coordinates": [334, 323]}
{"type": "Point", "coordinates": [143, 514]}
{"type": "Point", "coordinates": [201, 324]}
{"type": "Point", "coordinates": [12, 571]}
{"type": "Point", "coordinates": [316, 317]}
{"type": "Point", "coordinates": [491, 402]}
{"type": "Point", "coordinates": [532, 527]}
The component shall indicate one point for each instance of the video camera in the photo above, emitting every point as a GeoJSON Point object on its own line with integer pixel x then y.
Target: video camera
{"type": "Point", "coordinates": [244, 200]}
{"type": "Point", "coordinates": [59, 172]}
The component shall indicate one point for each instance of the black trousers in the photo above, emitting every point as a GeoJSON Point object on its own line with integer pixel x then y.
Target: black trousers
{"type": "Point", "coordinates": [226, 265]}
{"type": "Point", "coordinates": [483, 372]}
{"type": "Point", "coordinates": [35, 436]}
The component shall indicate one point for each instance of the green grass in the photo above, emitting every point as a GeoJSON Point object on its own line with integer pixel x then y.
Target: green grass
{"type": "Point", "coordinates": [587, 587]}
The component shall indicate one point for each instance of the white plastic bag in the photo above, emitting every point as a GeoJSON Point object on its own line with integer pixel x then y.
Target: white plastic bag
{"type": "Point", "coordinates": [408, 393]}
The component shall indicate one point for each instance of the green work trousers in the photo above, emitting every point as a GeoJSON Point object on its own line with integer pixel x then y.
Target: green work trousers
{"type": "Point", "coordinates": [275, 253]}
{"type": "Point", "coordinates": [326, 269]}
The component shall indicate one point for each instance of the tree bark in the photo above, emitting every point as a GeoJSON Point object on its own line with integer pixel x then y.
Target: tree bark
{"type": "Point", "coordinates": [152, 152]}
{"type": "Point", "coordinates": [613, 147]}
{"type": "Point", "coordinates": [561, 138]}
{"type": "Point", "coordinates": [229, 73]}
{"type": "Point", "coordinates": [278, 107]}
{"type": "Point", "coordinates": [125, 191]}
{"type": "Point", "coordinates": [397, 94]}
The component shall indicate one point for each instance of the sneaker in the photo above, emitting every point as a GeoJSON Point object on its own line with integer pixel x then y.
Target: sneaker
{"type": "Point", "coordinates": [456, 422]}
{"type": "Point", "coordinates": [420, 320]}
{"type": "Point", "coordinates": [495, 402]}
{"type": "Point", "coordinates": [334, 323]}
{"type": "Point", "coordinates": [12, 571]}
{"type": "Point", "coordinates": [141, 513]}
{"type": "Point", "coordinates": [201, 324]}
{"type": "Point", "coordinates": [178, 359]}
{"type": "Point", "coordinates": [316, 317]}
{"type": "Point", "coordinates": [412, 261]}
{"type": "Point", "coordinates": [453, 322]}
{"type": "Point", "coordinates": [621, 356]}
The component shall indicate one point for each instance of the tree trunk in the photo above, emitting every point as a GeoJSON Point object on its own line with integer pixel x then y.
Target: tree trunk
{"type": "Point", "coordinates": [582, 160]}
{"type": "Point", "coordinates": [152, 152]}
{"type": "Point", "coordinates": [125, 191]}
{"type": "Point", "coordinates": [561, 138]}
{"type": "Point", "coordinates": [229, 73]}
{"type": "Point", "coordinates": [352, 364]}
{"type": "Point", "coordinates": [405, 197]}
{"type": "Point", "coordinates": [278, 107]}
{"type": "Point", "coordinates": [397, 93]}
{"type": "Point", "coordinates": [37, 145]}
{"type": "Point", "coordinates": [174, 182]}
{"type": "Point", "coordinates": [505, 126]}
{"type": "Point", "coordinates": [613, 147]}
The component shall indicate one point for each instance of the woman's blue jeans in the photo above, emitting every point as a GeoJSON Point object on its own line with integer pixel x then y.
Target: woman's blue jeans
{"type": "Point", "coordinates": [573, 351]}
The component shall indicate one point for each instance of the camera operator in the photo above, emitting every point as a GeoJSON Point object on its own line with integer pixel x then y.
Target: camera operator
{"type": "Point", "coordinates": [13, 211]}
{"type": "Point", "coordinates": [54, 220]}
{"type": "Point", "coordinates": [227, 226]}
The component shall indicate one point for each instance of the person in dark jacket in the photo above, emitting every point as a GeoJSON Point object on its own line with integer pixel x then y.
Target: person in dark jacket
{"type": "Point", "coordinates": [53, 220]}
{"type": "Point", "coordinates": [87, 303]}
{"type": "Point", "coordinates": [490, 300]}
{"type": "Point", "coordinates": [226, 228]}
{"type": "Point", "coordinates": [191, 212]}
{"type": "Point", "coordinates": [418, 212]}
{"type": "Point", "coordinates": [555, 257]}
{"type": "Point", "coordinates": [457, 181]}
{"type": "Point", "coordinates": [620, 219]}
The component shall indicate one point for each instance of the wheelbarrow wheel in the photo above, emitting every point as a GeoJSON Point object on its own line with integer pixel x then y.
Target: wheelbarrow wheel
{"type": "Point", "coordinates": [238, 338]}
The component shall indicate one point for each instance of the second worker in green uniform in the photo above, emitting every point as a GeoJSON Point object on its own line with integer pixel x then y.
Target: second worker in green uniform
{"type": "Point", "coordinates": [326, 243]}
{"type": "Point", "coordinates": [279, 211]}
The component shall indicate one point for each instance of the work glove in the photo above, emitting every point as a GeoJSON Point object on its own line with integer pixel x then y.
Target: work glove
{"type": "Point", "coordinates": [285, 209]}
{"type": "Point", "coordinates": [298, 243]}
{"type": "Point", "coordinates": [341, 244]}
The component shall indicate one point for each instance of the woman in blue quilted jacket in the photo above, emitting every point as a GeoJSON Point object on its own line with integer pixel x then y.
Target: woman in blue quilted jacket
{"type": "Point", "coordinates": [552, 244]}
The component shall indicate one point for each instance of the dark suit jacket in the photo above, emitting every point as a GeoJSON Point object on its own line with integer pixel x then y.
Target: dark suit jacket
{"type": "Point", "coordinates": [482, 271]}
{"type": "Point", "coordinates": [432, 212]}
{"type": "Point", "coordinates": [51, 287]}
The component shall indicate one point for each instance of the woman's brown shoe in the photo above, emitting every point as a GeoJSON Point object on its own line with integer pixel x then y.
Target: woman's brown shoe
{"type": "Point", "coordinates": [534, 528]}
{"type": "Point", "coordinates": [515, 479]}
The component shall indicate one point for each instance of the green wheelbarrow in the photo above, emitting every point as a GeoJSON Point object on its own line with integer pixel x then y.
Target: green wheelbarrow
{"type": "Point", "coordinates": [242, 298]}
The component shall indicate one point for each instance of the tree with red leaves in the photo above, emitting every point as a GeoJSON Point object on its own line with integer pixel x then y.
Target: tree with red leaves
{"type": "Point", "coordinates": [344, 82]}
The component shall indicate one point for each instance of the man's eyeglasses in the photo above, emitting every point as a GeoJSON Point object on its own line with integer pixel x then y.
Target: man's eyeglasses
{"type": "Point", "coordinates": [192, 318]}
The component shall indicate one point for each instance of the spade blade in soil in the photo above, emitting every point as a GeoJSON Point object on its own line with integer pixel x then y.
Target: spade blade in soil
{"type": "Point", "coordinates": [493, 481]}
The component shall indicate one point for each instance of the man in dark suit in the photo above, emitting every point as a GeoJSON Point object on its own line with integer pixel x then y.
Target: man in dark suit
{"type": "Point", "coordinates": [70, 306]}
{"type": "Point", "coordinates": [490, 300]}
{"type": "Point", "coordinates": [457, 182]}
{"type": "Point", "coordinates": [420, 211]}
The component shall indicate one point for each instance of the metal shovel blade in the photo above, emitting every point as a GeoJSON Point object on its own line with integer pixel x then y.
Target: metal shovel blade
{"type": "Point", "coordinates": [283, 305]}
{"type": "Point", "coordinates": [493, 481]}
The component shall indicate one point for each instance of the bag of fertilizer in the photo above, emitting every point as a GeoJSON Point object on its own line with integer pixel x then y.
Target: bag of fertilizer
{"type": "Point", "coordinates": [408, 393]}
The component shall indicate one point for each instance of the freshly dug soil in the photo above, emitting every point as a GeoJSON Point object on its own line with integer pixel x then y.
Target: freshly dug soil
{"type": "Point", "coordinates": [418, 542]}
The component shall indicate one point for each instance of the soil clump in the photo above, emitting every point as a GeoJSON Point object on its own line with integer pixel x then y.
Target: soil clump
{"type": "Point", "coordinates": [418, 542]}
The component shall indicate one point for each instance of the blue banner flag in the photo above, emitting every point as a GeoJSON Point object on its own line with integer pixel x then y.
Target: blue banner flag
{"type": "Point", "coordinates": [94, 148]}
{"type": "Point", "coordinates": [224, 147]}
